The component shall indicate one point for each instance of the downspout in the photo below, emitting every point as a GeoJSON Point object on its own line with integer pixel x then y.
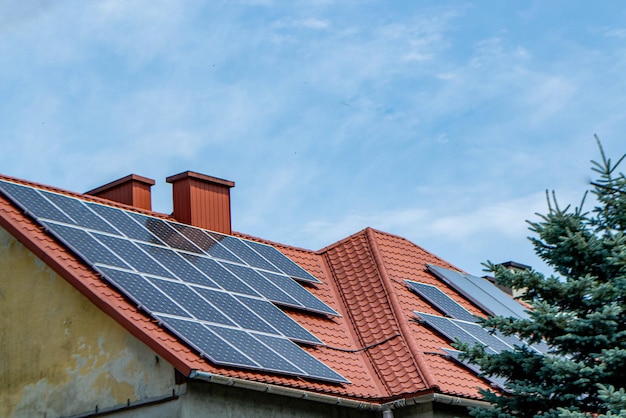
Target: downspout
{"type": "Point", "coordinates": [386, 408]}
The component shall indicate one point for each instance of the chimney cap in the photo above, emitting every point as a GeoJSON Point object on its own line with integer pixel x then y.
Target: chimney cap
{"type": "Point", "coordinates": [201, 177]}
{"type": "Point", "coordinates": [516, 265]}
{"type": "Point", "coordinates": [128, 178]}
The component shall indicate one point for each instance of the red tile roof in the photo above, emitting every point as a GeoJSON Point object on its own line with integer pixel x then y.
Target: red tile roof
{"type": "Point", "coordinates": [376, 343]}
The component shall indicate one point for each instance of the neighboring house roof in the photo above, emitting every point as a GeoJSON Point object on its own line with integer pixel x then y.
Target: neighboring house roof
{"type": "Point", "coordinates": [377, 342]}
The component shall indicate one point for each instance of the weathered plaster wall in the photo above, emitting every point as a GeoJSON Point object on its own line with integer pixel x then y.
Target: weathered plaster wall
{"type": "Point", "coordinates": [206, 399]}
{"type": "Point", "coordinates": [59, 354]}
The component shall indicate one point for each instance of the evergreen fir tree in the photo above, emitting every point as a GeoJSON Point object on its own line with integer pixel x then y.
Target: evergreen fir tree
{"type": "Point", "coordinates": [580, 312]}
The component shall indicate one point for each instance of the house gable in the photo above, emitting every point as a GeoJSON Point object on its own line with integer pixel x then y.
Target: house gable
{"type": "Point", "coordinates": [61, 355]}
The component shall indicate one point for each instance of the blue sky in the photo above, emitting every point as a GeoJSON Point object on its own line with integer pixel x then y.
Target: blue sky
{"type": "Point", "coordinates": [440, 121]}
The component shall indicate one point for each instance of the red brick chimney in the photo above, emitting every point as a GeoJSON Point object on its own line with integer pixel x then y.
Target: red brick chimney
{"type": "Point", "coordinates": [131, 190]}
{"type": "Point", "coordinates": [202, 201]}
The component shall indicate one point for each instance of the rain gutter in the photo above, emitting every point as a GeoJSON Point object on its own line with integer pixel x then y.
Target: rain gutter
{"type": "Point", "coordinates": [335, 400]}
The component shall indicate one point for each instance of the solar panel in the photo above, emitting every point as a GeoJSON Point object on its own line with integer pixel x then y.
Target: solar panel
{"type": "Point", "coordinates": [204, 241]}
{"type": "Point", "coordinates": [449, 328]}
{"type": "Point", "coordinates": [480, 291]}
{"type": "Point", "coordinates": [263, 286]}
{"type": "Point", "coordinates": [496, 380]}
{"type": "Point", "coordinates": [299, 293]}
{"type": "Point", "coordinates": [213, 297]}
{"type": "Point", "coordinates": [282, 262]}
{"type": "Point", "coordinates": [500, 296]}
{"type": "Point", "coordinates": [441, 301]}
{"type": "Point", "coordinates": [33, 202]}
{"type": "Point", "coordinates": [243, 251]}
{"type": "Point", "coordinates": [279, 320]}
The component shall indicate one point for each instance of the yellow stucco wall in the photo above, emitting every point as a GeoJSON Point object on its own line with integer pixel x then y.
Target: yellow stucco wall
{"type": "Point", "coordinates": [61, 355]}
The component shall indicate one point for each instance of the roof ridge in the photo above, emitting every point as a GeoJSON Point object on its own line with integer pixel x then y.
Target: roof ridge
{"type": "Point", "coordinates": [421, 364]}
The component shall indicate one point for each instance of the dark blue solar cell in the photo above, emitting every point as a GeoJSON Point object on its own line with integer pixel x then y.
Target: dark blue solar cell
{"type": "Point", "coordinates": [33, 202]}
{"type": "Point", "coordinates": [305, 361]}
{"type": "Point", "coordinates": [178, 265]}
{"type": "Point", "coordinates": [208, 343]}
{"type": "Point", "coordinates": [282, 262]}
{"type": "Point", "coordinates": [138, 259]}
{"type": "Point", "coordinates": [142, 292]}
{"type": "Point", "coordinates": [123, 222]}
{"type": "Point", "coordinates": [235, 310]}
{"type": "Point", "coordinates": [85, 245]}
{"type": "Point", "coordinates": [259, 352]}
{"type": "Point", "coordinates": [165, 233]}
{"type": "Point", "coordinates": [259, 283]}
{"type": "Point", "coordinates": [204, 241]}
{"type": "Point", "coordinates": [299, 293]}
{"type": "Point", "coordinates": [279, 320]}
{"type": "Point", "coordinates": [80, 213]}
{"type": "Point", "coordinates": [191, 301]}
{"type": "Point", "coordinates": [441, 301]}
{"type": "Point", "coordinates": [220, 275]}
{"type": "Point", "coordinates": [243, 251]}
